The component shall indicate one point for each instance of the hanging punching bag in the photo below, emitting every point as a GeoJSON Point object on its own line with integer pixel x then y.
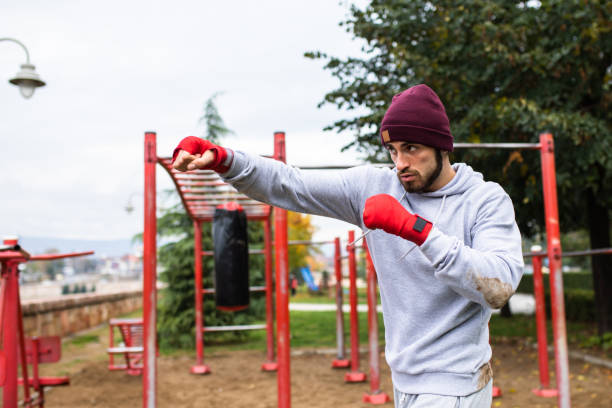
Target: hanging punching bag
{"type": "Point", "coordinates": [231, 257]}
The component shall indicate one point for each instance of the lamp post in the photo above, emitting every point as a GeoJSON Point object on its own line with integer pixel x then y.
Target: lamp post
{"type": "Point", "coordinates": [27, 79]}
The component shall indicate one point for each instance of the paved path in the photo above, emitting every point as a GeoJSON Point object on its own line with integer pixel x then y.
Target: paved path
{"type": "Point", "coordinates": [520, 303]}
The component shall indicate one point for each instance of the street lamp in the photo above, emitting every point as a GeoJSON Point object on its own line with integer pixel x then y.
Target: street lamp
{"type": "Point", "coordinates": [27, 79]}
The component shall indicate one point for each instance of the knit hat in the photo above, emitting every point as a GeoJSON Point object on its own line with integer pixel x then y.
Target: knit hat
{"type": "Point", "coordinates": [417, 115]}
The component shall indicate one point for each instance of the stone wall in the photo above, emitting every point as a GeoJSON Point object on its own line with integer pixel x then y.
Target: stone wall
{"type": "Point", "coordinates": [73, 313]}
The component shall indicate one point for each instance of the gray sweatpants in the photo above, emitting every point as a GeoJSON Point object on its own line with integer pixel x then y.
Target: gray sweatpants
{"type": "Point", "coordinates": [479, 399]}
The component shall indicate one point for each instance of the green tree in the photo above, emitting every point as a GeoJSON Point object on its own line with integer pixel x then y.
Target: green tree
{"type": "Point", "coordinates": [176, 323]}
{"type": "Point", "coordinates": [214, 125]}
{"type": "Point", "coordinates": [506, 70]}
{"type": "Point", "coordinates": [300, 228]}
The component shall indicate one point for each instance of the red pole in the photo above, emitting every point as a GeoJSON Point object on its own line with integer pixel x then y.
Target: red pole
{"type": "Point", "coordinates": [376, 396]}
{"type": "Point", "coordinates": [269, 364]}
{"type": "Point", "coordinates": [9, 333]}
{"type": "Point", "coordinates": [199, 367]}
{"type": "Point", "coordinates": [340, 361]}
{"type": "Point", "coordinates": [22, 352]}
{"type": "Point", "coordinates": [282, 289]}
{"type": "Point", "coordinates": [538, 291]}
{"type": "Point", "coordinates": [549, 184]}
{"type": "Point", "coordinates": [149, 265]}
{"type": "Point", "coordinates": [354, 375]}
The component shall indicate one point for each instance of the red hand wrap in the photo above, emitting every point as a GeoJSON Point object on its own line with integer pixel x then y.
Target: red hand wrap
{"type": "Point", "coordinates": [385, 212]}
{"type": "Point", "coordinates": [196, 145]}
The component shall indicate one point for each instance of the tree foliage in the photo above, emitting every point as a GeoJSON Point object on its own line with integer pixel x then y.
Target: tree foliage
{"type": "Point", "coordinates": [300, 228]}
{"type": "Point", "coordinates": [506, 71]}
{"type": "Point", "coordinates": [176, 323]}
{"type": "Point", "coordinates": [215, 128]}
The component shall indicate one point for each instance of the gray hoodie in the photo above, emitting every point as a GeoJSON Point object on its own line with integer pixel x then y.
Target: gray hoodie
{"type": "Point", "coordinates": [436, 298]}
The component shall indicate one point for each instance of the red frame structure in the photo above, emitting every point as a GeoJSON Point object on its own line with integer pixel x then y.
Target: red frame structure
{"type": "Point", "coordinates": [553, 236]}
{"type": "Point", "coordinates": [16, 348]}
{"type": "Point", "coordinates": [200, 192]}
{"type": "Point", "coordinates": [131, 331]}
{"type": "Point", "coordinates": [198, 212]}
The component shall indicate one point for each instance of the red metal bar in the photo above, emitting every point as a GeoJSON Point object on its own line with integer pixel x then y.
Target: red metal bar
{"type": "Point", "coordinates": [553, 236]}
{"type": "Point", "coordinates": [376, 396]}
{"type": "Point", "coordinates": [354, 375]}
{"type": "Point", "coordinates": [282, 289]}
{"type": "Point", "coordinates": [538, 290]}
{"type": "Point", "coordinates": [49, 257]}
{"type": "Point", "coordinates": [22, 354]}
{"type": "Point", "coordinates": [270, 363]}
{"type": "Point", "coordinates": [340, 361]}
{"type": "Point", "coordinates": [149, 264]}
{"type": "Point", "coordinates": [199, 367]}
{"type": "Point", "coordinates": [9, 331]}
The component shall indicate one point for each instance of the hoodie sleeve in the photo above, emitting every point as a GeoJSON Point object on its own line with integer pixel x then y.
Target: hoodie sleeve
{"type": "Point", "coordinates": [489, 270]}
{"type": "Point", "coordinates": [330, 194]}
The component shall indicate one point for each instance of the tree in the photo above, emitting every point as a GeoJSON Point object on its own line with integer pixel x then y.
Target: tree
{"type": "Point", "coordinates": [177, 301]}
{"type": "Point", "coordinates": [300, 228]}
{"type": "Point", "coordinates": [214, 125]}
{"type": "Point", "coordinates": [506, 71]}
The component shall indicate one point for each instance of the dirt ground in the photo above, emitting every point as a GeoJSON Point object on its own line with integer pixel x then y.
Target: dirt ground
{"type": "Point", "coordinates": [237, 381]}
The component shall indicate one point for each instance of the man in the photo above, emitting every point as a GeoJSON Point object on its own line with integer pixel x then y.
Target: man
{"type": "Point", "coordinates": [440, 272]}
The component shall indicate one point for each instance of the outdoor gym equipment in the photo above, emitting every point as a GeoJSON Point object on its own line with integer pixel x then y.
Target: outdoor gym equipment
{"type": "Point", "coordinates": [545, 390]}
{"type": "Point", "coordinates": [16, 348]}
{"type": "Point", "coordinates": [546, 148]}
{"type": "Point", "coordinates": [131, 347]}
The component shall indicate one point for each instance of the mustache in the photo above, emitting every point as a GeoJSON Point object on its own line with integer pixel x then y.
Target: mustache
{"type": "Point", "coordinates": [408, 172]}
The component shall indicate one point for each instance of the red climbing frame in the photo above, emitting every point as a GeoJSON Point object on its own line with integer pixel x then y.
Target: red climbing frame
{"type": "Point", "coordinates": [16, 348]}
{"type": "Point", "coordinates": [200, 192]}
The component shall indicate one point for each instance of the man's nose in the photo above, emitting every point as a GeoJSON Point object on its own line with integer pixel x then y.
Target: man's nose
{"type": "Point", "coordinates": [402, 162]}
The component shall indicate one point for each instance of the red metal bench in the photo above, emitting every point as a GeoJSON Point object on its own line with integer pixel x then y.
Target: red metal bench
{"type": "Point", "coordinates": [131, 346]}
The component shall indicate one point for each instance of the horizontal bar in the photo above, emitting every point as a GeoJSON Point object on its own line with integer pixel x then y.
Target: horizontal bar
{"type": "Point", "coordinates": [251, 289]}
{"type": "Point", "coordinates": [235, 328]}
{"type": "Point", "coordinates": [601, 251]}
{"type": "Point", "coordinates": [251, 252]}
{"type": "Point", "coordinates": [297, 242]}
{"type": "Point", "coordinates": [532, 146]}
{"type": "Point", "coordinates": [48, 257]}
{"type": "Point", "coordinates": [123, 350]}
{"type": "Point", "coordinates": [341, 167]}
{"type": "Point", "coordinates": [126, 321]}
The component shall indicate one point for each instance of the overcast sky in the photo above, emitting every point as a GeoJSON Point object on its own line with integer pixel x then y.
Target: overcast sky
{"type": "Point", "coordinates": [72, 155]}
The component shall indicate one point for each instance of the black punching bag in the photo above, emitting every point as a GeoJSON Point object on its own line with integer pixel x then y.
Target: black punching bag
{"type": "Point", "coordinates": [231, 257]}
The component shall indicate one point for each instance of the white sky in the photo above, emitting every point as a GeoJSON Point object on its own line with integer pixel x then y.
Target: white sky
{"type": "Point", "coordinates": [72, 155]}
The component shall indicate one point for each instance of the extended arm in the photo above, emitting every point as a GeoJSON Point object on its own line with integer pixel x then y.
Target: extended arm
{"type": "Point", "coordinates": [270, 181]}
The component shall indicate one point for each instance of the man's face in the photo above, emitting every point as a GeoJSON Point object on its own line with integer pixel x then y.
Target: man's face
{"type": "Point", "coordinates": [418, 166]}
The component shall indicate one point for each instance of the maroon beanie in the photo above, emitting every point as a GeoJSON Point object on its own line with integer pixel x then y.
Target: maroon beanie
{"type": "Point", "coordinates": [417, 115]}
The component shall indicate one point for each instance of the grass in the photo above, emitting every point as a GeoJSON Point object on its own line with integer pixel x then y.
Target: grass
{"type": "Point", "coordinates": [308, 330]}
{"type": "Point", "coordinates": [303, 296]}
{"type": "Point", "coordinates": [84, 339]}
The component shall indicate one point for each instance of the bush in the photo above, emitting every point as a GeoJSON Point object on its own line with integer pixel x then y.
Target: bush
{"type": "Point", "coordinates": [582, 280]}
{"type": "Point", "coordinates": [577, 293]}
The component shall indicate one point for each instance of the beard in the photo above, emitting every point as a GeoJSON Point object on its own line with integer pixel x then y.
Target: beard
{"type": "Point", "coordinates": [422, 182]}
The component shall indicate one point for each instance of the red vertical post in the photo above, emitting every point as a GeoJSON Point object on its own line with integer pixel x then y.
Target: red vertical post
{"type": "Point", "coordinates": [553, 237]}
{"type": "Point", "coordinates": [9, 333]}
{"type": "Point", "coordinates": [149, 266]}
{"type": "Point", "coordinates": [199, 367]}
{"type": "Point", "coordinates": [282, 289]}
{"type": "Point", "coordinates": [270, 363]}
{"type": "Point", "coordinates": [540, 311]}
{"type": "Point", "coordinates": [340, 361]}
{"type": "Point", "coordinates": [376, 396]}
{"type": "Point", "coordinates": [354, 375]}
{"type": "Point", "coordinates": [22, 354]}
